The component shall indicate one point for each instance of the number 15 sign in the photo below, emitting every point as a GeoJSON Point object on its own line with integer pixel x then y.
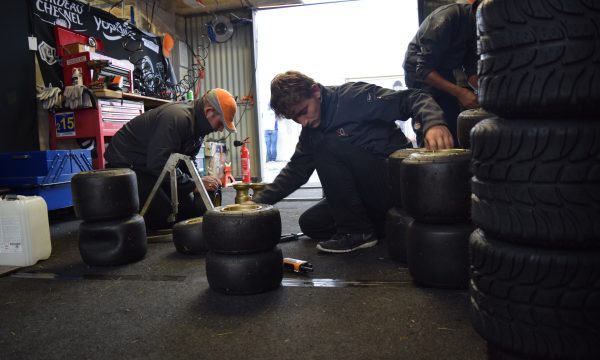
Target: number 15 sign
{"type": "Point", "coordinates": [65, 124]}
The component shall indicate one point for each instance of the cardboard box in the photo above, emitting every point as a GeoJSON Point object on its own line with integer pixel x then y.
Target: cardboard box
{"type": "Point", "coordinates": [76, 48]}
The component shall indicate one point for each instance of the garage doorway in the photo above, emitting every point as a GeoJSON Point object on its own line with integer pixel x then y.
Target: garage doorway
{"type": "Point", "coordinates": [330, 42]}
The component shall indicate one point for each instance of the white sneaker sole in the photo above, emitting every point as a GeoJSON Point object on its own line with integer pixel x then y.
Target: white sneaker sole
{"type": "Point", "coordinates": [362, 246]}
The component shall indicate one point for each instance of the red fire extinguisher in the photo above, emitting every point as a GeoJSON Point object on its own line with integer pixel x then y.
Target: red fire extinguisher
{"type": "Point", "coordinates": [245, 159]}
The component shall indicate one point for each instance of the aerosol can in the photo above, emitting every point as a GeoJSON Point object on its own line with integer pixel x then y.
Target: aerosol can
{"type": "Point", "coordinates": [245, 159]}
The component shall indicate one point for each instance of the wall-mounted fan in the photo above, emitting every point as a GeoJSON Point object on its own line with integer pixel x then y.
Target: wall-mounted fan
{"type": "Point", "coordinates": [222, 29]}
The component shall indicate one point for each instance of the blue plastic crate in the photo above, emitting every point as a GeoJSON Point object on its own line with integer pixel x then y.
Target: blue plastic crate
{"type": "Point", "coordinates": [57, 196]}
{"type": "Point", "coordinates": [44, 173]}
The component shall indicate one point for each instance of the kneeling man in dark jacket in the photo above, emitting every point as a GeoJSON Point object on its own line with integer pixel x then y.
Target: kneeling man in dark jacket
{"type": "Point", "coordinates": [348, 133]}
{"type": "Point", "coordinates": [145, 143]}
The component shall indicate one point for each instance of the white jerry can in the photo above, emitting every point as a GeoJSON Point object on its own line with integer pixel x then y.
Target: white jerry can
{"type": "Point", "coordinates": [24, 230]}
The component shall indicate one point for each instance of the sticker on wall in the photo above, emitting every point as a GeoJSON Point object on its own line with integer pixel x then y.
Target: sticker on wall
{"type": "Point", "coordinates": [65, 124]}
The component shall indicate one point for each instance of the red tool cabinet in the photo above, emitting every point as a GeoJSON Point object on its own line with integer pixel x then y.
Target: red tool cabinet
{"type": "Point", "coordinates": [98, 123]}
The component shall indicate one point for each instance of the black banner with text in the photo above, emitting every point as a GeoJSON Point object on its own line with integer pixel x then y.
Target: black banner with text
{"type": "Point", "coordinates": [121, 39]}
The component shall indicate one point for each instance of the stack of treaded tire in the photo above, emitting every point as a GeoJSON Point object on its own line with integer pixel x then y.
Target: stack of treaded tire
{"type": "Point", "coordinates": [112, 232]}
{"type": "Point", "coordinates": [535, 257]}
{"type": "Point", "coordinates": [243, 256]}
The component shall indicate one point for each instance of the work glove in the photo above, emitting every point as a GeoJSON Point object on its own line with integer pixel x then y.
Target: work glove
{"type": "Point", "coordinates": [50, 97]}
{"type": "Point", "coordinates": [74, 96]}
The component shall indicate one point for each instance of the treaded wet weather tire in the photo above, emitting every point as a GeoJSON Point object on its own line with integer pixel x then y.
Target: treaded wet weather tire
{"type": "Point", "coordinates": [539, 58]}
{"type": "Point", "coordinates": [244, 274]}
{"type": "Point", "coordinates": [543, 304]}
{"type": "Point", "coordinates": [105, 194]}
{"type": "Point", "coordinates": [113, 242]}
{"type": "Point", "coordinates": [466, 121]}
{"type": "Point", "coordinates": [397, 223]}
{"type": "Point", "coordinates": [188, 238]}
{"type": "Point", "coordinates": [436, 186]}
{"type": "Point", "coordinates": [438, 255]}
{"type": "Point", "coordinates": [242, 229]}
{"type": "Point", "coordinates": [538, 182]}
{"type": "Point", "coordinates": [394, 161]}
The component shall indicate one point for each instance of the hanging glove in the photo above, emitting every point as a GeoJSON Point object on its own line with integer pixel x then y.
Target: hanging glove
{"type": "Point", "coordinates": [73, 96]}
{"type": "Point", "coordinates": [50, 97]}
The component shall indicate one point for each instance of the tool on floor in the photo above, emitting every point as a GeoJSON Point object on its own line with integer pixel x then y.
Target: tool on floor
{"type": "Point", "coordinates": [290, 237]}
{"type": "Point", "coordinates": [297, 265]}
{"type": "Point", "coordinates": [171, 168]}
{"type": "Point", "coordinates": [228, 179]}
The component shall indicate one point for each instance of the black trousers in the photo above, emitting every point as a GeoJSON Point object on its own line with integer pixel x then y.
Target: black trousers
{"type": "Point", "coordinates": [357, 192]}
{"type": "Point", "coordinates": [190, 205]}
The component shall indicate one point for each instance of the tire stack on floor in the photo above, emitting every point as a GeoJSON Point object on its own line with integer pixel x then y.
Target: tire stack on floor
{"type": "Point", "coordinates": [188, 238]}
{"type": "Point", "coordinates": [112, 232]}
{"type": "Point", "coordinates": [397, 221]}
{"type": "Point", "coordinates": [466, 121]}
{"type": "Point", "coordinates": [243, 256]}
{"type": "Point", "coordinates": [435, 192]}
{"type": "Point", "coordinates": [535, 257]}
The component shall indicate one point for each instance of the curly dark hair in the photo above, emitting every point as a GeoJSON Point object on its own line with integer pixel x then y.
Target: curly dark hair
{"type": "Point", "coordinates": [287, 90]}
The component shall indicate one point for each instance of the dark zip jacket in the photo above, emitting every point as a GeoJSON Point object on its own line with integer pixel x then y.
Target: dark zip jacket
{"type": "Point", "coordinates": [363, 114]}
{"type": "Point", "coordinates": [446, 40]}
{"type": "Point", "coordinates": [146, 142]}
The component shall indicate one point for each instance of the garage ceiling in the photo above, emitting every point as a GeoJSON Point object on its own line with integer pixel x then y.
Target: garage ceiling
{"type": "Point", "coordinates": [196, 7]}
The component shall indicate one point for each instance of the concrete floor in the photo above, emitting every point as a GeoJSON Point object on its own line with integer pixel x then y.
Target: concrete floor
{"type": "Point", "coordinates": [360, 305]}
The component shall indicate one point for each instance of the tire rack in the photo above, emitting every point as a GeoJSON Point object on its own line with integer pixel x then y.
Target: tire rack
{"type": "Point", "coordinates": [535, 257]}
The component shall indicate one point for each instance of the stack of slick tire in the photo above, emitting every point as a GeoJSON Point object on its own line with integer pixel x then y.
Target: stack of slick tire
{"type": "Point", "coordinates": [535, 256]}
{"type": "Point", "coordinates": [466, 121]}
{"type": "Point", "coordinates": [397, 221]}
{"type": "Point", "coordinates": [435, 193]}
{"type": "Point", "coordinates": [188, 237]}
{"type": "Point", "coordinates": [243, 256]}
{"type": "Point", "coordinates": [112, 232]}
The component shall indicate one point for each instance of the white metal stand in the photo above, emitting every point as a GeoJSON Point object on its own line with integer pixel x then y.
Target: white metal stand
{"type": "Point", "coordinates": [171, 168]}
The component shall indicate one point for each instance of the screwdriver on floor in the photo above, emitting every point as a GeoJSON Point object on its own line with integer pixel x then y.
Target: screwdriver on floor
{"type": "Point", "coordinates": [297, 265]}
{"type": "Point", "coordinates": [290, 237]}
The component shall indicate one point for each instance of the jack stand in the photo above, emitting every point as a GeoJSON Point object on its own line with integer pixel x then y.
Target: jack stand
{"type": "Point", "coordinates": [171, 167]}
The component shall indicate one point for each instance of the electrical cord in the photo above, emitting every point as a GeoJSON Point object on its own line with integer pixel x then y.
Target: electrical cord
{"type": "Point", "coordinates": [155, 82]}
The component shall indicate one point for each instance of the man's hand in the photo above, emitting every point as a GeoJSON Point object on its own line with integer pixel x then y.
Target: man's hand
{"type": "Point", "coordinates": [473, 80]}
{"type": "Point", "coordinates": [467, 98]}
{"type": "Point", "coordinates": [211, 183]}
{"type": "Point", "coordinates": [438, 137]}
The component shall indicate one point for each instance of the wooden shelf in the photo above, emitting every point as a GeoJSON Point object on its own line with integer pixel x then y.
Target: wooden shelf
{"type": "Point", "coordinates": [149, 102]}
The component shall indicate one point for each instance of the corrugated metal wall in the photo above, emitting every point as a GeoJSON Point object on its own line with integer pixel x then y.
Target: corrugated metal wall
{"type": "Point", "coordinates": [230, 65]}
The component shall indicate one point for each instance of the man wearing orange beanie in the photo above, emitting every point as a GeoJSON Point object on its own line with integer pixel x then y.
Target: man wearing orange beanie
{"type": "Point", "coordinates": [145, 143]}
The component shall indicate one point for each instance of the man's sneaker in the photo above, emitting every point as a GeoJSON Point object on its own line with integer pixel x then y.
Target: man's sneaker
{"type": "Point", "coordinates": [343, 243]}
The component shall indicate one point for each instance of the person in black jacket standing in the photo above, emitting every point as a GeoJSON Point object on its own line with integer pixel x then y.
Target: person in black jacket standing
{"type": "Point", "coordinates": [145, 143]}
{"type": "Point", "coordinates": [445, 41]}
{"type": "Point", "coordinates": [348, 132]}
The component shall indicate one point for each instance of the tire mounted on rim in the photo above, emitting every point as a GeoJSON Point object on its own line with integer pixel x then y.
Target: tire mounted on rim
{"type": "Point", "coordinates": [242, 229]}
